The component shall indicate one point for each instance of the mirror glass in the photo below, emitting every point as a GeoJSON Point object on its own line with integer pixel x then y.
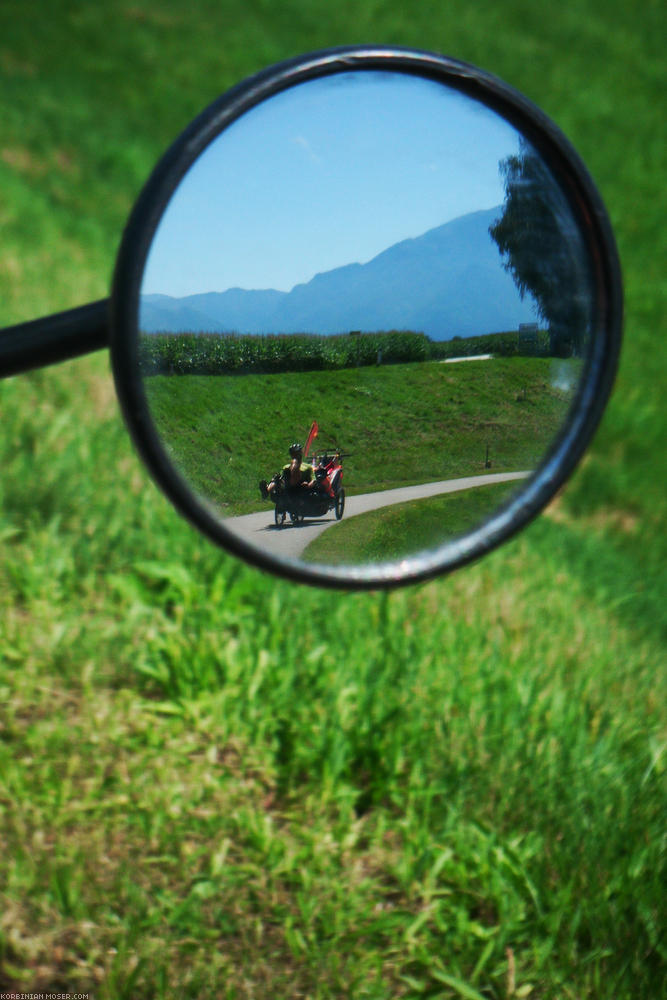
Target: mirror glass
{"type": "Point", "coordinates": [380, 269]}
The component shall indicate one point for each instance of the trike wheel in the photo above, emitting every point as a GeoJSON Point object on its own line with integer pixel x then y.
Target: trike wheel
{"type": "Point", "coordinates": [340, 504]}
{"type": "Point", "coordinates": [279, 516]}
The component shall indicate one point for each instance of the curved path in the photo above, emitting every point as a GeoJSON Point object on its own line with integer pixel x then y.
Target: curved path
{"type": "Point", "coordinates": [290, 540]}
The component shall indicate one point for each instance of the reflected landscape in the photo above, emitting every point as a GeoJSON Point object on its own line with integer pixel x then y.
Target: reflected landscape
{"type": "Point", "coordinates": [378, 269]}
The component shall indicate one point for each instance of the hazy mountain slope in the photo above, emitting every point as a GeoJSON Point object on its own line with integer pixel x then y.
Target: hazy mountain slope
{"type": "Point", "coordinates": [446, 282]}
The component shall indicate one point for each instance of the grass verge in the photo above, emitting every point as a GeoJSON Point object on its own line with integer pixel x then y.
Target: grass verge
{"type": "Point", "coordinates": [404, 529]}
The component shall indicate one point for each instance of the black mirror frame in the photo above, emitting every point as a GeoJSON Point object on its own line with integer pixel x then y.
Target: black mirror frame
{"type": "Point", "coordinates": [601, 366]}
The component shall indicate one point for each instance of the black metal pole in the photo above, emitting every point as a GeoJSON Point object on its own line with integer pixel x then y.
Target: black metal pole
{"type": "Point", "coordinates": [54, 338]}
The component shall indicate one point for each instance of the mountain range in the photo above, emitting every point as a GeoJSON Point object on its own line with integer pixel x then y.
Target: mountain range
{"type": "Point", "coordinates": [449, 281]}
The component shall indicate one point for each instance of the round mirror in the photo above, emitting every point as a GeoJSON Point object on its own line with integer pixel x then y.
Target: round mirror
{"type": "Point", "coordinates": [366, 320]}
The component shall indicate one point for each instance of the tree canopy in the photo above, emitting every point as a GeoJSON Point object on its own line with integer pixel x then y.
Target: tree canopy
{"type": "Point", "coordinates": [543, 250]}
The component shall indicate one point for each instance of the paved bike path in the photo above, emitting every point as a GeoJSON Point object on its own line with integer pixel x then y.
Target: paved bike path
{"type": "Point", "coordinates": [290, 541]}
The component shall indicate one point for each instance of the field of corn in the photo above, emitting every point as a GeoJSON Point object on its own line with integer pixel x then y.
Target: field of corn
{"type": "Point", "coordinates": [218, 354]}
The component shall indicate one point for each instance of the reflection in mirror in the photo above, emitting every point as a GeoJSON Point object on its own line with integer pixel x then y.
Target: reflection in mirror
{"type": "Point", "coordinates": [383, 271]}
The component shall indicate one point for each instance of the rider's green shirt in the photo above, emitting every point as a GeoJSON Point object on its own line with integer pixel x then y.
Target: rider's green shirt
{"type": "Point", "coordinates": [305, 470]}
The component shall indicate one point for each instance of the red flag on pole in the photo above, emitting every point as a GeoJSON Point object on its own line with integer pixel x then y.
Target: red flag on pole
{"type": "Point", "coordinates": [312, 434]}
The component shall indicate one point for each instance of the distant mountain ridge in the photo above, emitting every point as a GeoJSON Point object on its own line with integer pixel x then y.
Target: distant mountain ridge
{"type": "Point", "coordinates": [449, 281]}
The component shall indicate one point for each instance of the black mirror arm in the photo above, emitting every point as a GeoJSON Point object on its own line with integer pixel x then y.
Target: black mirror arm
{"type": "Point", "coordinates": [54, 338]}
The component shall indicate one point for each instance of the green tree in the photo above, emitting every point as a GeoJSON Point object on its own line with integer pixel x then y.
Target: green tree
{"type": "Point", "coordinates": [543, 250]}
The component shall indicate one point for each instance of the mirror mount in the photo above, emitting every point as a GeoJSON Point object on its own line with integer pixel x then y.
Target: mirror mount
{"type": "Point", "coordinates": [55, 338]}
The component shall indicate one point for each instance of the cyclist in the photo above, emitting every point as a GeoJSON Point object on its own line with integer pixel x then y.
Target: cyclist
{"type": "Point", "coordinates": [296, 473]}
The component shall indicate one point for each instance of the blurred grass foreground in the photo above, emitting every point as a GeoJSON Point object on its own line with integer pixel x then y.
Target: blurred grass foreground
{"type": "Point", "coordinates": [214, 784]}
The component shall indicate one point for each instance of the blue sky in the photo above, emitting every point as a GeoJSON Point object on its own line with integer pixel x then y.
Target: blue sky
{"type": "Point", "coordinates": [330, 172]}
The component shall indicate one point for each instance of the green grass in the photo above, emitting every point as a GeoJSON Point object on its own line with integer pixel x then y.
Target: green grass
{"type": "Point", "coordinates": [213, 783]}
{"type": "Point", "coordinates": [400, 531]}
{"type": "Point", "coordinates": [401, 424]}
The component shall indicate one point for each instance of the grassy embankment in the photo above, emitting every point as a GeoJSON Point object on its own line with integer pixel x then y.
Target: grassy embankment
{"type": "Point", "coordinates": [216, 784]}
{"type": "Point", "coordinates": [402, 424]}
